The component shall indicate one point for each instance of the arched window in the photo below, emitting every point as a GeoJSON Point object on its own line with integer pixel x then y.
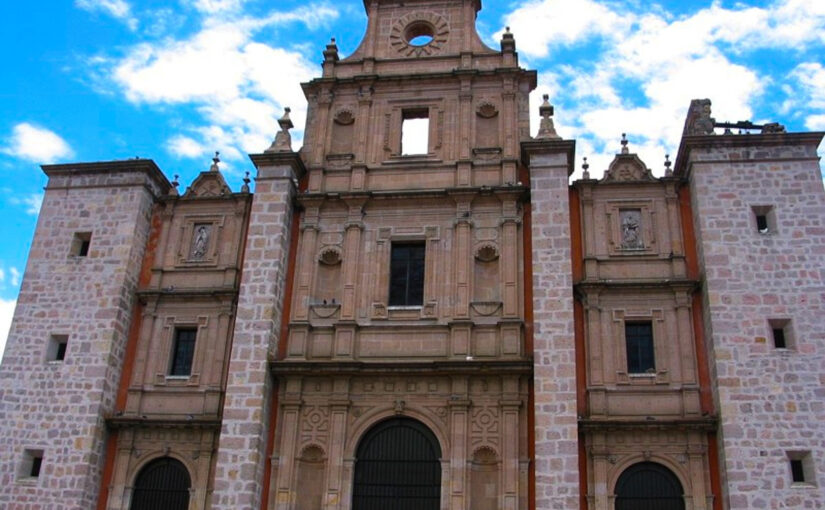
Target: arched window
{"type": "Point", "coordinates": [397, 466]}
{"type": "Point", "coordinates": [649, 486]}
{"type": "Point", "coordinates": [162, 485]}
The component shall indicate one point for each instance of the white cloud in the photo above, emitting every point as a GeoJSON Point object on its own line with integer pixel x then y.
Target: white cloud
{"type": "Point", "coordinates": [6, 314]}
{"type": "Point", "coordinates": [185, 147]}
{"type": "Point", "coordinates": [15, 276]}
{"type": "Point", "coordinates": [643, 77]}
{"type": "Point", "coordinates": [239, 85]}
{"type": "Point", "coordinates": [31, 202]}
{"type": "Point", "coordinates": [539, 24]}
{"type": "Point", "coordinates": [36, 144]}
{"type": "Point", "coordinates": [215, 6]}
{"type": "Point", "coordinates": [815, 122]}
{"type": "Point", "coordinates": [118, 9]}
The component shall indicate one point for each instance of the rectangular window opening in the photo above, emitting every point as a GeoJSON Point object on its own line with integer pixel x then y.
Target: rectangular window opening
{"type": "Point", "coordinates": [81, 243]}
{"type": "Point", "coordinates": [56, 350]}
{"type": "Point", "coordinates": [781, 333]}
{"type": "Point", "coordinates": [802, 467]}
{"type": "Point", "coordinates": [31, 465]}
{"type": "Point", "coordinates": [183, 352]}
{"type": "Point", "coordinates": [639, 342]}
{"type": "Point", "coordinates": [797, 471]}
{"type": "Point", "coordinates": [765, 218]}
{"type": "Point", "coordinates": [407, 274]}
{"type": "Point", "coordinates": [415, 132]}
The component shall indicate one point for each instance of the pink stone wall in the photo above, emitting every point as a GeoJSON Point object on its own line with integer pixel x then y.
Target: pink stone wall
{"type": "Point", "coordinates": [59, 407]}
{"type": "Point", "coordinates": [556, 458]}
{"type": "Point", "coordinates": [241, 453]}
{"type": "Point", "coordinates": [771, 401]}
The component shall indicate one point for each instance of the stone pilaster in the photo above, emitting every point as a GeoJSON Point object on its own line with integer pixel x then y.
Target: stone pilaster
{"type": "Point", "coordinates": [241, 452]}
{"type": "Point", "coordinates": [554, 353]}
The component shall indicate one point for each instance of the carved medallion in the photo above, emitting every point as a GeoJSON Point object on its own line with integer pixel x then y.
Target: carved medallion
{"type": "Point", "coordinates": [419, 34]}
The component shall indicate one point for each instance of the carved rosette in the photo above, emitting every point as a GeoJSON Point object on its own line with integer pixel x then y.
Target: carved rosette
{"type": "Point", "coordinates": [330, 255]}
{"type": "Point", "coordinates": [486, 109]}
{"type": "Point", "coordinates": [419, 23]}
{"type": "Point", "coordinates": [344, 116]}
{"type": "Point", "coordinates": [486, 252]}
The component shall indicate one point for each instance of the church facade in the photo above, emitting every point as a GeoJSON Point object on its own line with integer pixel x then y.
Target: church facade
{"type": "Point", "coordinates": [452, 324]}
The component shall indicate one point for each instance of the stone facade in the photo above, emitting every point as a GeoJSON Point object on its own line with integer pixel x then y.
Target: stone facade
{"type": "Point", "coordinates": [770, 398]}
{"type": "Point", "coordinates": [548, 340]}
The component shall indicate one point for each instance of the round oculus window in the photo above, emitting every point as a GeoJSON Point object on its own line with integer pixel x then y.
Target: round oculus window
{"type": "Point", "coordinates": [419, 33]}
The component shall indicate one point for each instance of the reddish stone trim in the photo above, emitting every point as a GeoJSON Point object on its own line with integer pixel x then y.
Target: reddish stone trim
{"type": "Point", "coordinates": [527, 231]}
{"type": "Point", "coordinates": [270, 445]}
{"type": "Point", "coordinates": [282, 344]}
{"type": "Point", "coordinates": [290, 282]}
{"type": "Point", "coordinates": [576, 246]}
{"type": "Point", "coordinates": [108, 470]}
{"type": "Point", "coordinates": [713, 464]}
{"type": "Point", "coordinates": [688, 234]}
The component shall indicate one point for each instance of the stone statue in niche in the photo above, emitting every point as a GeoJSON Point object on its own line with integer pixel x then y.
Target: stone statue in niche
{"type": "Point", "coordinates": [200, 241]}
{"type": "Point", "coordinates": [631, 229]}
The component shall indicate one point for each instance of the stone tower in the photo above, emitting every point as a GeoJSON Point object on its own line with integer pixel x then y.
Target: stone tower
{"type": "Point", "coordinates": [759, 216]}
{"type": "Point", "coordinates": [68, 340]}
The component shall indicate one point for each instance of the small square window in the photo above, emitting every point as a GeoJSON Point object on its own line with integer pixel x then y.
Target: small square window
{"type": "Point", "coordinates": [765, 218]}
{"type": "Point", "coordinates": [639, 342]}
{"type": "Point", "coordinates": [183, 352]}
{"type": "Point", "coordinates": [801, 466]}
{"type": "Point", "coordinates": [781, 333]}
{"type": "Point", "coordinates": [81, 243]}
{"type": "Point", "coordinates": [415, 132]}
{"type": "Point", "coordinates": [31, 465]}
{"type": "Point", "coordinates": [56, 351]}
{"type": "Point", "coordinates": [407, 274]}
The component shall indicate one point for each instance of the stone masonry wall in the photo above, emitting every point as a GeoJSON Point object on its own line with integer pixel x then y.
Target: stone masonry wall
{"type": "Point", "coordinates": [59, 406]}
{"type": "Point", "coordinates": [771, 401]}
{"type": "Point", "coordinates": [241, 453]}
{"type": "Point", "coordinates": [556, 458]}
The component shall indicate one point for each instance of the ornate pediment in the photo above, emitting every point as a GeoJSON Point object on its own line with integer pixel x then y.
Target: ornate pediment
{"type": "Point", "coordinates": [209, 184]}
{"type": "Point", "coordinates": [628, 168]}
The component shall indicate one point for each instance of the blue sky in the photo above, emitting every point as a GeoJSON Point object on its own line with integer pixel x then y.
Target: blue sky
{"type": "Point", "coordinates": [175, 80]}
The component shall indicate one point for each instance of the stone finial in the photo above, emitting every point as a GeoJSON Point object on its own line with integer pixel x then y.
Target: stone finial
{"type": "Point", "coordinates": [699, 121]}
{"type": "Point", "coordinates": [215, 161]}
{"type": "Point", "coordinates": [246, 181]}
{"type": "Point", "coordinates": [668, 164]}
{"type": "Point", "coordinates": [175, 184]}
{"type": "Point", "coordinates": [773, 127]}
{"type": "Point", "coordinates": [508, 42]}
{"type": "Point", "coordinates": [283, 140]}
{"type": "Point", "coordinates": [331, 52]}
{"type": "Point", "coordinates": [547, 129]}
{"type": "Point", "coordinates": [625, 150]}
{"type": "Point", "coordinates": [585, 168]}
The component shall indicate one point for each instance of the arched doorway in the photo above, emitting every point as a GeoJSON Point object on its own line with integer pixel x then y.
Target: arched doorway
{"type": "Point", "coordinates": [397, 466]}
{"type": "Point", "coordinates": [162, 485]}
{"type": "Point", "coordinates": [649, 486]}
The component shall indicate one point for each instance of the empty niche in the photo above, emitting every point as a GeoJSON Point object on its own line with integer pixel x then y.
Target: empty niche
{"type": "Point", "coordinates": [343, 126]}
{"type": "Point", "coordinates": [310, 479]}
{"type": "Point", "coordinates": [486, 274]}
{"type": "Point", "coordinates": [487, 125]}
{"type": "Point", "coordinates": [484, 480]}
{"type": "Point", "coordinates": [328, 280]}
